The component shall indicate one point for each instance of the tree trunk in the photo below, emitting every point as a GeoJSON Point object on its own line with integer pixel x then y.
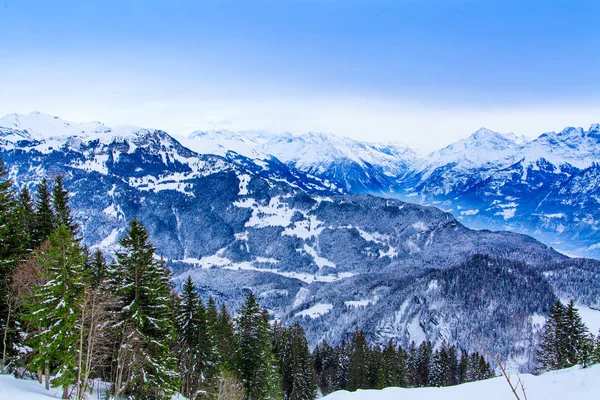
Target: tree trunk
{"type": "Point", "coordinates": [39, 375]}
{"type": "Point", "coordinates": [47, 374]}
{"type": "Point", "coordinates": [4, 363]}
{"type": "Point", "coordinates": [65, 394]}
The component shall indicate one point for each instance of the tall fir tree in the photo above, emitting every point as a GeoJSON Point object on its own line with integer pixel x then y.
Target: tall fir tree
{"type": "Point", "coordinates": [358, 362]}
{"type": "Point", "coordinates": [225, 339]}
{"type": "Point", "coordinates": [551, 352]}
{"type": "Point", "coordinates": [13, 247]}
{"type": "Point", "coordinates": [60, 205]}
{"type": "Point", "coordinates": [575, 333]}
{"type": "Point", "coordinates": [255, 361]}
{"type": "Point", "coordinates": [147, 368]}
{"type": "Point", "coordinates": [44, 218]}
{"type": "Point", "coordinates": [56, 307]}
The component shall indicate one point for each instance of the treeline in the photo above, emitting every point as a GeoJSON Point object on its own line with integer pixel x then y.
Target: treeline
{"type": "Point", "coordinates": [356, 365]}
{"type": "Point", "coordinates": [71, 318]}
{"type": "Point", "coordinates": [566, 340]}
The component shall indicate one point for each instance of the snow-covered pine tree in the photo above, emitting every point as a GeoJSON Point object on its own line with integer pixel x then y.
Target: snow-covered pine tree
{"type": "Point", "coordinates": [411, 363]}
{"type": "Point", "coordinates": [225, 339]}
{"type": "Point", "coordinates": [436, 370]}
{"type": "Point", "coordinates": [304, 385]}
{"type": "Point", "coordinates": [390, 374]}
{"type": "Point", "coordinates": [295, 363]}
{"type": "Point", "coordinates": [255, 361]}
{"type": "Point", "coordinates": [551, 354]}
{"type": "Point", "coordinates": [14, 240]}
{"type": "Point", "coordinates": [342, 373]}
{"type": "Point", "coordinates": [358, 361]}
{"type": "Point", "coordinates": [575, 334]}
{"type": "Point", "coordinates": [189, 317]}
{"type": "Point", "coordinates": [56, 308]}
{"type": "Point", "coordinates": [146, 366]}
{"type": "Point", "coordinates": [424, 354]}
{"type": "Point", "coordinates": [325, 366]}
{"type": "Point", "coordinates": [374, 367]}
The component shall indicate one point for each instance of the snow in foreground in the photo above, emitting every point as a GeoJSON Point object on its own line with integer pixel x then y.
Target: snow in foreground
{"type": "Point", "coordinates": [24, 389]}
{"type": "Point", "coordinates": [572, 383]}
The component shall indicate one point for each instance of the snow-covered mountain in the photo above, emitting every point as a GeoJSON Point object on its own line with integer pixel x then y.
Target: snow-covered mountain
{"type": "Point", "coordinates": [358, 167]}
{"type": "Point", "coordinates": [543, 187]}
{"type": "Point", "coordinates": [311, 251]}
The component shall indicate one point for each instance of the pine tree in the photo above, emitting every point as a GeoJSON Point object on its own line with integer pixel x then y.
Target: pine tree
{"type": "Point", "coordinates": [44, 218]}
{"type": "Point", "coordinates": [390, 374]}
{"type": "Point", "coordinates": [358, 362]}
{"type": "Point", "coordinates": [189, 319]}
{"type": "Point", "coordinates": [225, 339]}
{"type": "Point", "coordinates": [255, 361]}
{"type": "Point", "coordinates": [13, 247]}
{"type": "Point", "coordinates": [60, 205]}
{"type": "Point", "coordinates": [424, 354]}
{"type": "Point", "coordinates": [97, 269]}
{"type": "Point", "coordinates": [551, 354]}
{"type": "Point", "coordinates": [575, 333]}
{"type": "Point", "coordinates": [325, 367]}
{"type": "Point", "coordinates": [436, 370]}
{"type": "Point", "coordinates": [342, 373]}
{"type": "Point", "coordinates": [56, 307]}
{"type": "Point", "coordinates": [413, 377]}
{"type": "Point", "coordinates": [295, 363]}
{"type": "Point", "coordinates": [463, 368]}
{"type": "Point", "coordinates": [25, 206]}
{"type": "Point", "coordinates": [146, 366]}
{"type": "Point", "coordinates": [452, 375]}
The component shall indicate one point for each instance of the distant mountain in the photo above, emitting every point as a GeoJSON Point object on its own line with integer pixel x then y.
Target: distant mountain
{"type": "Point", "coordinates": [543, 187]}
{"type": "Point", "coordinates": [311, 251]}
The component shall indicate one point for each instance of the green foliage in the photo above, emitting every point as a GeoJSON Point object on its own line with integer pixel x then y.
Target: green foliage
{"type": "Point", "coordinates": [143, 315]}
{"type": "Point", "coordinates": [564, 340]}
{"type": "Point", "coordinates": [56, 307]}
{"type": "Point", "coordinates": [255, 361]}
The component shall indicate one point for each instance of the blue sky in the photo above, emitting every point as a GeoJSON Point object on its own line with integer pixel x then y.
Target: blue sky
{"type": "Point", "coordinates": [417, 71]}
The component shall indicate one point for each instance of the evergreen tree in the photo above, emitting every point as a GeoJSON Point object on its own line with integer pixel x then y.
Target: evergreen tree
{"type": "Point", "coordinates": [452, 374]}
{"type": "Point", "coordinates": [25, 206]}
{"type": "Point", "coordinates": [255, 362]}
{"type": "Point", "coordinates": [44, 218]}
{"type": "Point", "coordinates": [390, 374]}
{"type": "Point", "coordinates": [60, 205]}
{"type": "Point", "coordinates": [436, 370]}
{"type": "Point", "coordinates": [146, 365]}
{"type": "Point", "coordinates": [413, 377]}
{"type": "Point", "coordinates": [225, 339]}
{"type": "Point", "coordinates": [295, 363]}
{"type": "Point", "coordinates": [56, 308]}
{"type": "Point", "coordinates": [189, 320]}
{"type": "Point", "coordinates": [342, 373]}
{"type": "Point", "coordinates": [14, 240]}
{"type": "Point", "coordinates": [358, 362]}
{"type": "Point", "coordinates": [424, 354]}
{"type": "Point", "coordinates": [463, 367]}
{"type": "Point", "coordinates": [551, 354]}
{"type": "Point", "coordinates": [325, 366]}
{"type": "Point", "coordinates": [97, 269]}
{"type": "Point", "coordinates": [575, 334]}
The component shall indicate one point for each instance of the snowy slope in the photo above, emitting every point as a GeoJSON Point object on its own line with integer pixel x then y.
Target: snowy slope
{"type": "Point", "coordinates": [26, 389]}
{"type": "Point", "coordinates": [573, 383]}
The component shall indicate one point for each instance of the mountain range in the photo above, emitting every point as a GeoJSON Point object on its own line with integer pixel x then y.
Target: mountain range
{"type": "Point", "coordinates": [325, 230]}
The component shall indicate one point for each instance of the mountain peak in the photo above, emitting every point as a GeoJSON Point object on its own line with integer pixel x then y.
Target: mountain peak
{"type": "Point", "coordinates": [41, 125]}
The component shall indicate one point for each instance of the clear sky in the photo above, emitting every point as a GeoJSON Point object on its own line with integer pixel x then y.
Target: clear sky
{"type": "Point", "coordinates": [422, 72]}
